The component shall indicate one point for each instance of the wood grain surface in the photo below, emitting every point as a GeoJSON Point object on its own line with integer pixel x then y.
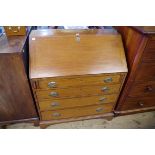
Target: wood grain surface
{"type": "Point", "coordinates": [16, 100]}
{"type": "Point", "coordinates": [72, 70]}
{"type": "Point", "coordinates": [74, 81]}
{"type": "Point", "coordinates": [15, 96]}
{"type": "Point", "coordinates": [55, 104]}
{"type": "Point", "coordinates": [13, 44]}
{"type": "Point", "coordinates": [78, 91]}
{"type": "Point", "coordinates": [63, 55]}
{"type": "Point", "coordinates": [139, 103]}
{"type": "Point", "coordinates": [77, 112]}
{"type": "Point", "coordinates": [140, 81]}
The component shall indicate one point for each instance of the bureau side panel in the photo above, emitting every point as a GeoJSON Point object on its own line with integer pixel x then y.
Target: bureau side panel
{"type": "Point", "coordinates": [135, 44]}
{"type": "Point", "coordinates": [131, 40]}
{"type": "Point", "coordinates": [16, 101]}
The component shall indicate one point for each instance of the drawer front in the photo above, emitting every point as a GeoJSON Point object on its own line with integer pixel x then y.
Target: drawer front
{"type": "Point", "coordinates": [144, 89]}
{"type": "Point", "coordinates": [51, 83]}
{"type": "Point", "coordinates": [77, 92]}
{"type": "Point", "coordinates": [75, 102]}
{"type": "Point", "coordinates": [76, 112]}
{"type": "Point", "coordinates": [149, 56]}
{"type": "Point", "coordinates": [137, 103]}
{"type": "Point", "coordinates": [146, 72]}
{"type": "Point", "coordinates": [151, 44]}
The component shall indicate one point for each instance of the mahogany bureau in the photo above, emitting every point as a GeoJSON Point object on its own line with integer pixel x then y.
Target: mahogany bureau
{"type": "Point", "coordinates": [76, 74]}
{"type": "Point", "coordinates": [16, 100]}
{"type": "Point", "coordinates": [138, 93]}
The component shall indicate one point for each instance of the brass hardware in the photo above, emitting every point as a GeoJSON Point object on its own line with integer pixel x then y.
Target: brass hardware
{"type": "Point", "coordinates": [105, 89]}
{"type": "Point", "coordinates": [54, 104]}
{"type": "Point", "coordinates": [15, 31]}
{"type": "Point", "coordinates": [56, 114]}
{"type": "Point", "coordinates": [107, 80]}
{"type": "Point", "coordinates": [54, 94]}
{"type": "Point", "coordinates": [141, 103]}
{"type": "Point", "coordinates": [99, 109]}
{"type": "Point", "coordinates": [52, 84]}
{"type": "Point", "coordinates": [77, 37]}
{"type": "Point", "coordinates": [148, 88]}
{"type": "Point", "coordinates": [102, 99]}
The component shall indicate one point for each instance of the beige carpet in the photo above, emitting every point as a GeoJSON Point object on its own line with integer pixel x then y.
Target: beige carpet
{"type": "Point", "coordinates": [141, 120]}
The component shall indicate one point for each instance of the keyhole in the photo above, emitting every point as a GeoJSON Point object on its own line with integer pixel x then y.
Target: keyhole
{"type": "Point", "coordinates": [77, 37]}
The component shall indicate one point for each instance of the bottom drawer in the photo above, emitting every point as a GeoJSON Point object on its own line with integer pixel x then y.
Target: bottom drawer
{"type": "Point", "coordinates": [77, 112]}
{"type": "Point", "coordinates": [138, 103]}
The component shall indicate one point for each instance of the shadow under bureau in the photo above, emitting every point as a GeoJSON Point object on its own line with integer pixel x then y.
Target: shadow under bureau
{"type": "Point", "coordinates": [76, 74]}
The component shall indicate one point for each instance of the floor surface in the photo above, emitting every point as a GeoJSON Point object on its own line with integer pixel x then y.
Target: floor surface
{"type": "Point", "coordinates": [136, 121]}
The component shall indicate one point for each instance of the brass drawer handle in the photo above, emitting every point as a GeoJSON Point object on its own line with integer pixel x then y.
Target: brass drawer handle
{"type": "Point", "coordinates": [54, 104]}
{"type": "Point", "coordinates": [54, 94]}
{"type": "Point", "coordinates": [99, 109]}
{"type": "Point", "coordinates": [105, 89]}
{"type": "Point", "coordinates": [148, 89]}
{"type": "Point", "coordinates": [56, 114]}
{"type": "Point", "coordinates": [107, 80]}
{"type": "Point", "coordinates": [141, 103]}
{"type": "Point", "coordinates": [52, 84]}
{"type": "Point", "coordinates": [102, 99]}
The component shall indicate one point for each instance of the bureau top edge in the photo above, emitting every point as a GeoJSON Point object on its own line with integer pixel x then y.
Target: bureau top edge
{"type": "Point", "coordinates": [58, 32]}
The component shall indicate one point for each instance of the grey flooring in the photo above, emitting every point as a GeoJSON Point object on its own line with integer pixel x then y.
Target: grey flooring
{"type": "Point", "coordinates": [135, 121]}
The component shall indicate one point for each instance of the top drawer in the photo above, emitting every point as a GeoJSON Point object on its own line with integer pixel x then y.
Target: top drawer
{"type": "Point", "coordinates": [60, 82]}
{"type": "Point", "coordinates": [149, 52]}
{"type": "Point", "coordinates": [151, 44]}
{"type": "Point", "coordinates": [146, 72]}
{"type": "Point", "coordinates": [149, 55]}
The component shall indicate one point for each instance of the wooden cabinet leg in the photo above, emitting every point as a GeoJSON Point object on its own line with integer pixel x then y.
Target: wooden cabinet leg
{"type": "Point", "coordinates": [4, 126]}
{"type": "Point", "coordinates": [109, 118]}
{"type": "Point", "coordinates": [36, 123]}
{"type": "Point", "coordinates": [43, 126]}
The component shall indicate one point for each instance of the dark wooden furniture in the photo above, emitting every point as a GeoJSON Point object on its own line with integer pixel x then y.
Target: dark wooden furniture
{"type": "Point", "coordinates": [16, 30]}
{"type": "Point", "coordinates": [76, 74]}
{"type": "Point", "coordinates": [16, 102]}
{"type": "Point", "coordinates": [138, 93]}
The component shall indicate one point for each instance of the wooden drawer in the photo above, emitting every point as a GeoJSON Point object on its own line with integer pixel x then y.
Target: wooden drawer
{"type": "Point", "coordinates": [61, 82]}
{"type": "Point", "coordinates": [144, 89]}
{"type": "Point", "coordinates": [146, 72]}
{"type": "Point", "coordinates": [77, 92]}
{"type": "Point", "coordinates": [151, 44]}
{"type": "Point", "coordinates": [149, 56]}
{"type": "Point", "coordinates": [76, 102]}
{"type": "Point", "coordinates": [137, 103]}
{"type": "Point", "coordinates": [77, 112]}
{"type": "Point", "coordinates": [149, 52]}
